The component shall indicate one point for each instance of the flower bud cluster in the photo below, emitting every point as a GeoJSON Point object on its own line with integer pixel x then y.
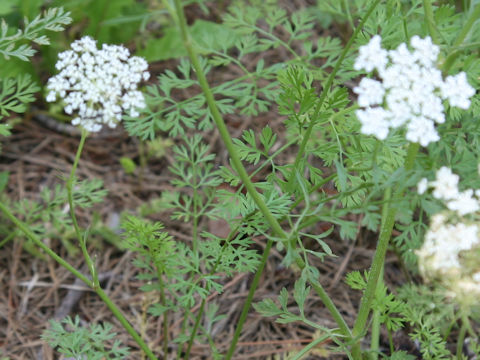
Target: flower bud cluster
{"type": "Point", "coordinates": [453, 238]}
{"type": "Point", "coordinates": [410, 90]}
{"type": "Point", "coordinates": [98, 84]}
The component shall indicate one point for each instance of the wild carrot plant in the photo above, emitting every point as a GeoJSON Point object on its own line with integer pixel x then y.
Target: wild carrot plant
{"type": "Point", "coordinates": [374, 114]}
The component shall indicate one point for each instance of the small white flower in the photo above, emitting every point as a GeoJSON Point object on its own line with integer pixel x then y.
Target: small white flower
{"type": "Point", "coordinates": [464, 203]}
{"type": "Point", "coordinates": [458, 91]}
{"type": "Point", "coordinates": [370, 92]}
{"type": "Point", "coordinates": [426, 51]}
{"type": "Point", "coordinates": [98, 83]}
{"type": "Point", "coordinates": [411, 89]}
{"type": "Point", "coordinates": [421, 130]}
{"type": "Point", "coordinates": [422, 186]}
{"type": "Point", "coordinates": [446, 184]}
{"type": "Point", "coordinates": [374, 121]}
{"type": "Point", "coordinates": [371, 56]}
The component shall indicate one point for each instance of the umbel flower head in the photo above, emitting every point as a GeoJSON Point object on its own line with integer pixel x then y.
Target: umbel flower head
{"type": "Point", "coordinates": [449, 254]}
{"type": "Point", "coordinates": [409, 92]}
{"type": "Point", "coordinates": [98, 84]}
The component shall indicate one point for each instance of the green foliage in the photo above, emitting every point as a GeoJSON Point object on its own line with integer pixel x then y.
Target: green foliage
{"type": "Point", "coordinates": [431, 316]}
{"type": "Point", "coordinates": [49, 217]}
{"type": "Point", "coordinates": [18, 90]}
{"type": "Point", "coordinates": [54, 19]}
{"type": "Point", "coordinates": [15, 93]}
{"type": "Point", "coordinates": [342, 178]}
{"type": "Point", "coordinates": [73, 340]}
{"type": "Point", "coordinates": [248, 151]}
{"type": "Point", "coordinates": [152, 244]}
{"type": "Point", "coordinates": [391, 308]}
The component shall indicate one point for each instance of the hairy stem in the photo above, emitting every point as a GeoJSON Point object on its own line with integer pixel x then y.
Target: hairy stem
{"type": "Point", "coordinates": [374, 345]}
{"type": "Point", "coordinates": [388, 221]}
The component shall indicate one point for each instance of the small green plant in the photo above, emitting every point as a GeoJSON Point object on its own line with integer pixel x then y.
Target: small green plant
{"type": "Point", "coordinates": [372, 114]}
{"type": "Point", "coordinates": [80, 342]}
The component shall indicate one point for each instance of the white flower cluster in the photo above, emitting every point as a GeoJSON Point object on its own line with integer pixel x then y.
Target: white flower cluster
{"type": "Point", "coordinates": [410, 92]}
{"type": "Point", "coordinates": [99, 84]}
{"type": "Point", "coordinates": [451, 237]}
{"type": "Point", "coordinates": [445, 188]}
{"type": "Point", "coordinates": [440, 257]}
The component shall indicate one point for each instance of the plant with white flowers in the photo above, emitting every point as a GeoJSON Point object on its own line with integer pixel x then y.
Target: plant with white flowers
{"type": "Point", "coordinates": [452, 242]}
{"type": "Point", "coordinates": [409, 91]}
{"type": "Point", "coordinates": [99, 84]}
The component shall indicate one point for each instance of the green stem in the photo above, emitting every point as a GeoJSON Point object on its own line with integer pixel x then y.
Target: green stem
{"type": "Point", "coordinates": [430, 21]}
{"type": "Point", "coordinates": [120, 317]}
{"type": "Point", "coordinates": [214, 269]}
{"type": "Point", "coordinates": [7, 238]}
{"type": "Point", "coordinates": [461, 339]}
{"type": "Point", "coordinates": [326, 89]}
{"type": "Point", "coordinates": [310, 346]}
{"type": "Point", "coordinates": [347, 11]}
{"type": "Point", "coordinates": [82, 238]}
{"type": "Point", "coordinates": [375, 343]}
{"type": "Point", "coordinates": [274, 224]}
{"type": "Point", "coordinates": [248, 302]}
{"type": "Point", "coordinates": [222, 128]}
{"type": "Point", "coordinates": [327, 301]}
{"type": "Point", "coordinates": [374, 346]}
{"type": "Point", "coordinates": [195, 329]}
{"type": "Point", "coordinates": [388, 221]}
{"type": "Point", "coordinates": [118, 314]}
{"type": "Point", "coordinates": [195, 220]}
{"type": "Point", "coordinates": [165, 314]}
{"type": "Point", "coordinates": [29, 234]}
{"type": "Point", "coordinates": [472, 18]}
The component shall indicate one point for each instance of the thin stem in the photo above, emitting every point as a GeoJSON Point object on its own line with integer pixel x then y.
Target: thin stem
{"type": "Point", "coordinates": [347, 11]}
{"type": "Point", "coordinates": [274, 224]}
{"type": "Point", "coordinates": [7, 238]}
{"type": "Point", "coordinates": [30, 235]}
{"type": "Point", "coordinates": [120, 317]}
{"type": "Point", "coordinates": [165, 314]}
{"type": "Point", "coordinates": [82, 238]}
{"type": "Point", "coordinates": [248, 302]}
{"type": "Point", "coordinates": [214, 269]}
{"type": "Point", "coordinates": [222, 128]}
{"type": "Point", "coordinates": [310, 346]}
{"type": "Point", "coordinates": [327, 301]}
{"type": "Point", "coordinates": [195, 217]}
{"type": "Point", "coordinates": [374, 345]}
{"type": "Point", "coordinates": [388, 221]}
{"type": "Point", "coordinates": [430, 21]}
{"type": "Point", "coordinates": [473, 17]}
{"type": "Point", "coordinates": [195, 329]}
{"type": "Point", "coordinates": [326, 89]}
{"type": "Point", "coordinates": [118, 314]}
{"type": "Point", "coordinates": [461, 339]}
